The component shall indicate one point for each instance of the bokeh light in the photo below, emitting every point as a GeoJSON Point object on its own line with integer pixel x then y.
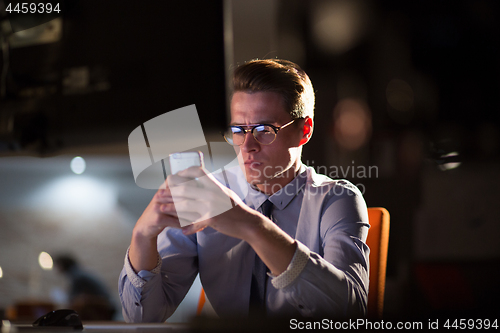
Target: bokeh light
{"type": "Point", "coordinates": [338, 25]}
{"type": "Point", "coordinates": [45, 261]}
{"type": "Point", "coordinates": [83, 194]}
{"type": "Point", "coordinates": [78, 165]}
{"type": "Point", "coordinates": [352, 123]}
{"type": "Point", "coordinates": [451, 161]}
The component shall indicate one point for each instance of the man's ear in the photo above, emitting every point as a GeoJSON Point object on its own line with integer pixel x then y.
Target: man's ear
{"type": "Point", "coordinates": [307, 131]}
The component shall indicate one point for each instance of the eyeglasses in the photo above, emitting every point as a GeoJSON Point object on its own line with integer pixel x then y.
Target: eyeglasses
{"type": "Point", "coordinates": [264, 133]}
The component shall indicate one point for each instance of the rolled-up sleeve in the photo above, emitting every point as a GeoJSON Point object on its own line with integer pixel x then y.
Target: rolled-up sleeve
{"type": "Point", "coordinates": [152, 296]}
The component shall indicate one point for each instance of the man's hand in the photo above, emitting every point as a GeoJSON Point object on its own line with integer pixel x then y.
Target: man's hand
{"type": "Point", "coordinates": [161, 213]}
{"type": "Point", "coordinates": [201, 198]}
{"type": "Point", "coordinates": [153, 220]}
{"type": "Point", "coordinates": [143, 249]}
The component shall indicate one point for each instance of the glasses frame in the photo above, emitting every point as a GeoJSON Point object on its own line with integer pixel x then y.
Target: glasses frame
{"type": "Point", "coordinates": [276, 129]}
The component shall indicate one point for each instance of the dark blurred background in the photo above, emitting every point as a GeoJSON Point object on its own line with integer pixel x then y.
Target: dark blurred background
{"type": "Point", "coordinates": [407, 109]}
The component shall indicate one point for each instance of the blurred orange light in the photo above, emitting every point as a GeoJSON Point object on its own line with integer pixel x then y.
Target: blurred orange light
{"type": "Point", "coordinates": [352, 123]}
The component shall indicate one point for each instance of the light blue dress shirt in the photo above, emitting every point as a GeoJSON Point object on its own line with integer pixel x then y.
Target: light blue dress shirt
{"type": "Point", "coordinates": [327, 277]}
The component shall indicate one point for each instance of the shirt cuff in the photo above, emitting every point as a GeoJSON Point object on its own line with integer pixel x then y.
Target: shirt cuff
{"type": "Point", "coordinates": [296, 266]}
{"type": "Point", "coordinates": [139, 279]}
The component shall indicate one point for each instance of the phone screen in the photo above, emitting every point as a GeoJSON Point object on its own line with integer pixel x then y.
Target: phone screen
{"type": "Point", "coordinates": [181, 161]}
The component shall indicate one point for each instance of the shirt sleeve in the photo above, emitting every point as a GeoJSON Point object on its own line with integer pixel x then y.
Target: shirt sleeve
{"type": "Point", "coordinates": [296, 266]}
{"type": "Point", "coordinates": [152, 296]}
{"type": "Point", "coordinates": [139, 279]}
{"type": "Point", "coordinates": [332, 281]}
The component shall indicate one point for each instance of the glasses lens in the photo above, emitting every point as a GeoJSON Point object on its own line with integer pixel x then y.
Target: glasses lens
{"type": "Point", "coordinates": [264, 134]}
{"type": "Point", "coordinates": [234, 136]}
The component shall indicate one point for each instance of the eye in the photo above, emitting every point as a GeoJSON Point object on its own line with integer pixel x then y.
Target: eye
{"type": "Point", "coordinates": [236, 130]}
{"type": "Point", "coordinates": [264, 129]}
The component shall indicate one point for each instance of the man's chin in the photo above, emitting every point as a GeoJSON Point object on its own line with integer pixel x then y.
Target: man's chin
{"type": "Point", "coordinates": [255, 181]}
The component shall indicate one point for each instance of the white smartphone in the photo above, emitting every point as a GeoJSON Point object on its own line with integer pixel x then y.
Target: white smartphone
{"type": "Point", "coordinates": [184, 160]}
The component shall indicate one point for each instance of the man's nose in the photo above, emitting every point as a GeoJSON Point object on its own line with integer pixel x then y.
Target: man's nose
{"type": "Point", "coordinates": [250, 144]}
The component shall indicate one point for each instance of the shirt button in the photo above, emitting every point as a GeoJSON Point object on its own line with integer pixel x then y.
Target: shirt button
{"type": "Point", "coordinates": [137, 304]}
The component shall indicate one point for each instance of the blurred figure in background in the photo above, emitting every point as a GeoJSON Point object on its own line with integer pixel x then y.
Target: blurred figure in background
{"type": "Point", "coordinates": [87, 295]}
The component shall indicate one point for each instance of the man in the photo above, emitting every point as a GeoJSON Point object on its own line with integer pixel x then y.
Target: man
{"type": "Point", "coordinates": [307, 229]}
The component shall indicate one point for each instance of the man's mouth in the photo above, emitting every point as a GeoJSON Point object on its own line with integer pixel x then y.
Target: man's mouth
{"type": "Point", "coordinates": [252, 164]}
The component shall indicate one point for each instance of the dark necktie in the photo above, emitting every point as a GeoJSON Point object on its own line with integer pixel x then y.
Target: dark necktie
{"type": "Point", "coordinates": [259, 274]}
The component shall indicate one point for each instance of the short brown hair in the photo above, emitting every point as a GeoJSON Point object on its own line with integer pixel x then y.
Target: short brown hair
{"type": "Point", "coordinates": [281, 76]}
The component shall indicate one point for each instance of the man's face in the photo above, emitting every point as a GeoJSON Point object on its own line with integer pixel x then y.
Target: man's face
{"type": "Point", "coordinates": [269, 167]}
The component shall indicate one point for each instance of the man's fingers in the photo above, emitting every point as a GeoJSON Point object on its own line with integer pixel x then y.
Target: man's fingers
{"type": "Point", "coordinates": [191, 190]}
{"type": "Point", "coordinates": [163, 192]}
{"type": "Point", "coordinates": [164, 197]}
{"type": "Point", "coordinates": [176, 179]}
{"type": "Point", "coordinates": [204, 178]}
{"type": "Point", "coordinates": [179, 211]}
{"type": "Point", "coordinates": [193, 228]}
{"type": "Point", "coordinates": [163, 222]}
{"type": "Point", "coordinates": [192, 172]}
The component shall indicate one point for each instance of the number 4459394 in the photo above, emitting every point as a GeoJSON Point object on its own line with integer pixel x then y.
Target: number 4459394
{"type": "Point", "coordinates": [32, 7]}
{"type": "Point", "coordinates": [461, 324]}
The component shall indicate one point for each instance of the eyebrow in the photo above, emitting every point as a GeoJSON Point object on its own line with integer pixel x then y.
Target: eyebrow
{"type": "Point", "coordinates": [259, 123]}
